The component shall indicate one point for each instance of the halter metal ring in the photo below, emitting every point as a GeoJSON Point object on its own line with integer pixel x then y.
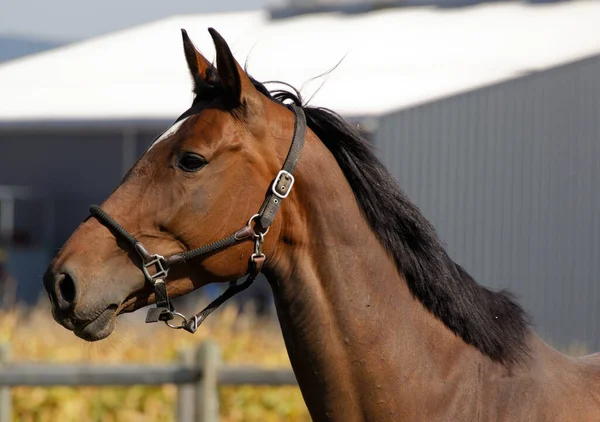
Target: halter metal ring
{"type": "Point", "coordinates": [257, 234]}
{"type": "Point", "coordinates": [184, 321]}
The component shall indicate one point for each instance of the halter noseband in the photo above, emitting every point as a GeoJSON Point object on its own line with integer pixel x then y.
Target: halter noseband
{"type": "Point", "coordinates": [280, 189]}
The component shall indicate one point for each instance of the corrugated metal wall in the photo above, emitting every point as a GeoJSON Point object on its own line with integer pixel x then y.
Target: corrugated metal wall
{"type": "Point", "coordinates": [71, 169]}
{"type": "Point", "coordinates": [510, 177]}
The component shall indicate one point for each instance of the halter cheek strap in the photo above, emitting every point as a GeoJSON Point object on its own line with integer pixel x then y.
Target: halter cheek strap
{"type": "Point", "coordinates": [282, 185]}
{"type": "Point", "coordinates": [156, 267]}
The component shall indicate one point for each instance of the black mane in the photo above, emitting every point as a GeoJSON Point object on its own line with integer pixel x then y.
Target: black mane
{"type": "Point", "coordinates": [490, 321]}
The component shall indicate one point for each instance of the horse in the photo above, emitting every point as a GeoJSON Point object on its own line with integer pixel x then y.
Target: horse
{"type": "Point", "coordinates": [380, 324]}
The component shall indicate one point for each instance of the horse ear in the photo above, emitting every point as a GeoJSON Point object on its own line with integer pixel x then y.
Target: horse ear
{"type": "Point", "coordinates": [197, 63]}
{"type": "Point", "coordinates": [238, 86]}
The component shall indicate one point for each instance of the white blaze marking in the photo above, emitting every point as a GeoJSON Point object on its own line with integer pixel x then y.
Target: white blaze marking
{"type": "Point", "coordinates": [169, 132]}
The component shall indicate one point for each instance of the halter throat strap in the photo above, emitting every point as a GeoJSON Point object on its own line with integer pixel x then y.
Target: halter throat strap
{"type": "Point", "coordinates": [156, 267]}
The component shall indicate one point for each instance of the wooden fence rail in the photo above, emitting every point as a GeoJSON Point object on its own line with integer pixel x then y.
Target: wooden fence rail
{"type": "Point", "coordinates": [198, 374]}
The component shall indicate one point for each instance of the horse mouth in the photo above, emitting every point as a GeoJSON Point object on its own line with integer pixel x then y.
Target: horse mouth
{"type": "Point", "coordinates": [135, 301]}
{"type": "Point", "coordinates": [98, 328]}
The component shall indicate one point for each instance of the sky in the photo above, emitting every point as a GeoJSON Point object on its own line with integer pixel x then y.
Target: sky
{"type": "Point", "coordinates": [70, 20]}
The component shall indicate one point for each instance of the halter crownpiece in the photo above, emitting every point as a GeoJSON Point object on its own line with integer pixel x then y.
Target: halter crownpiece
{"type": "Point", "coordinates": [156, 267]}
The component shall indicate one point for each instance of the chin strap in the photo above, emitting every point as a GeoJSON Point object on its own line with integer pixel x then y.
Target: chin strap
{"type": "Point", "coordinates": [156, 267]}
{"type": "Point", "coordinates": [192, 323]}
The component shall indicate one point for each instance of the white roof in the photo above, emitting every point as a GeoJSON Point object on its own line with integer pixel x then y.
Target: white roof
{"type": "Point", "coordinates": [393, 58]}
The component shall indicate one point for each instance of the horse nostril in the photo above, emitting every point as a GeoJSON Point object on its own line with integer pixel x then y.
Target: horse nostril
{"type": "Point", "coordinates": [66, 291]}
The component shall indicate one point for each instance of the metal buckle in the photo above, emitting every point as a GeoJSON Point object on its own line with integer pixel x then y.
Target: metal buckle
{"type": "Point", "coordinates": [166, 315]}
{"type": "Point", "coordinates": [276, 181]}
{"type": "Point", "coordinates": [161, 268]}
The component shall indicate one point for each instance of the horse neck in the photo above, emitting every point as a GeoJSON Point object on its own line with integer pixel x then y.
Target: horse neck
{"type": "Point", "coordinates": [360, 344]}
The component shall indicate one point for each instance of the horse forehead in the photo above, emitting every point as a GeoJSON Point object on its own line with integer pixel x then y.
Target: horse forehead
{"type": "Point", "coordinates": [169, 132]}
{"type": "Point", "coordinates": [212, 124]}
{"type": "Point", "coordinates": [209, 125]}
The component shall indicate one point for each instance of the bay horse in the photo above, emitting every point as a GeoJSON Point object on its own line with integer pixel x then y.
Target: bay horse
{"type": "Point", "coordinates": [379, 322]}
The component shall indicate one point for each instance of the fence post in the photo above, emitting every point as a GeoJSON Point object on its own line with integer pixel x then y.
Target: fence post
{"type": "Point", "coordinates": [5, 399]}
{"type": "Point", "coordinates": [207, 402]}
{"type": "Point", "coordinates": [186, 393]}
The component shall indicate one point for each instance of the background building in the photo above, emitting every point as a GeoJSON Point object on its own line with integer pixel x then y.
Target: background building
{"type": "Point", "coordinates": [487, 116]}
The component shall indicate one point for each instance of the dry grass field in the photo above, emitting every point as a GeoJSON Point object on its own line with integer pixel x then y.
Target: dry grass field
{"type": "Point", "coordinates": [243, 340]}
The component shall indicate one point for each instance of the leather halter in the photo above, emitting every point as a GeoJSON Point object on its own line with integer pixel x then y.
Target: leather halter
{"type": "Point", "coordinates": [256, 228]}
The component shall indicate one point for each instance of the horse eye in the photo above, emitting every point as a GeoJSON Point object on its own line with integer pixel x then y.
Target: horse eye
{"type": "Point", "coordinates": [191, 162]}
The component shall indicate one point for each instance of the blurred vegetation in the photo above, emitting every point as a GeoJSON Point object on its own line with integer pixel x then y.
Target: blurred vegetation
{"type": "Point", "coordinates": [244, 339]}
